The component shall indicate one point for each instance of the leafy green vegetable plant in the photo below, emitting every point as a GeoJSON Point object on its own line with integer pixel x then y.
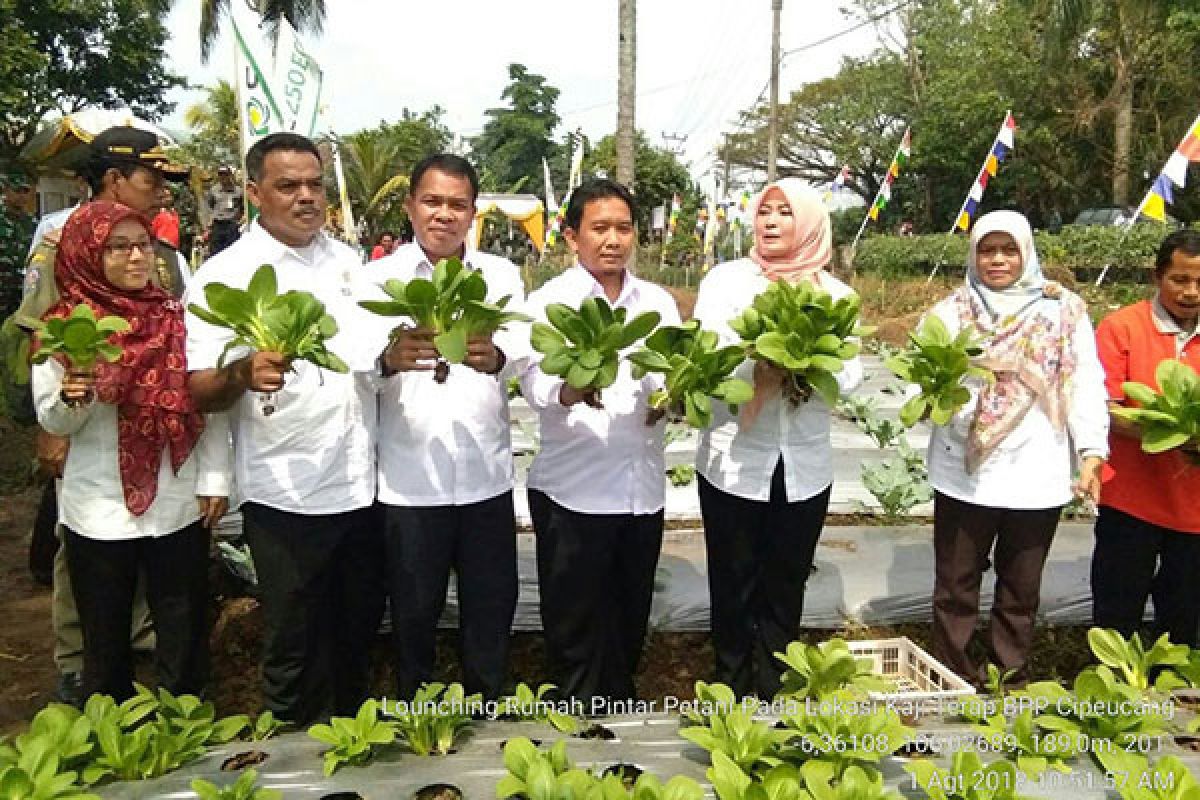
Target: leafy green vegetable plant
{"type": "Point", "coordinates": [1133, 662]}
{"type": "Point", "coordinates": [293, 324]}
{"type": "Point", "coordinates": [938, 363]}
{"type": "Point", "coordinates": [1135, 779]}
{"type": "Point", "coordinates": [452, 305]}
{"type": "Point", "coordinates": [819, 670]}
{"type": "Point", "coordinates": [265, 726]}
{"type": "Point", "coordinates": [898, 484]}
{"type": "Point", "coordinates": [1033, 748]}
{"type": "Point", "coordinates": [800, 329]}
{"type": "Point", "coordinates": [711, 698]}
{"type": "Point", "coordinates": [244, 788]}
{"type": "Point", "coordinates": [80, 337]}
{"type": "Point", "coordinates": [843, 732]}
{"type": "Point", "coordinates": [681, 474]}
{"type": "Point", "coordinates": [1170, 418]}
{"type": "Point", "coordinates": [584, 347]}
{"type": "Point", "coordinates": [696, 369]}
{"type": "Point", "coordinates": [352, 740]}
{"type": "Point", "coordinates": [36, 766]}
{"type": "Point", "coordinates": [549, 775]}
{"type": "Point", "coordinates": [528, 767]}
{"type": "Point", "coordinates": [751, 744]}
{"type": "Point", "coordinates": [435, 717]}
{"type": "Point", "coordinates": [524, 704]}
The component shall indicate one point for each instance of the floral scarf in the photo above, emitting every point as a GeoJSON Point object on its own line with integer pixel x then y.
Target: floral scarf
{"type": "Point", "coordinates": [148, 384]}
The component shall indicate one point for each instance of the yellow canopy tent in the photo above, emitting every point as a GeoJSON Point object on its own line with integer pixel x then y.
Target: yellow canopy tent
{"type": "Point", "coordinates": [524, 209]}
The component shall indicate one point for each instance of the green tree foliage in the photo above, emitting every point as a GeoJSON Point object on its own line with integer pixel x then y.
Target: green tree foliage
{"type": "Point", "coordinates": [63, 55]}
{"type": "Point", "coordinates": [304, 15]}
{"type": "Point", "coordinates": [517, 137]}
{"type": "Point", "coordinates": [377, 162]}
{"type": "Point", "coordinates": [951, 68]}
{"type": "Point", "coordinates": [215, 136]}
{"type": "Point", "coordinates": [658, 175]}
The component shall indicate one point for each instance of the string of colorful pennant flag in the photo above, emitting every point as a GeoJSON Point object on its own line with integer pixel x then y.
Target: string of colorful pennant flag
{"type": "Point", "coordinates": [1173, 176]}
{"type": "Point", "coordinates": [1002, 145]}
{"type": "Point", "coordinates": [903, 153]}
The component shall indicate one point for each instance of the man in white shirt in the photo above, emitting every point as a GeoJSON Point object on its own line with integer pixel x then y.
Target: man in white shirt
{"type": "Point", "coordinates": [596, 487]}
{"type": "Point", "coordinates": [306, 470]}
{"type": "Point", "coordinates": [445, 455]}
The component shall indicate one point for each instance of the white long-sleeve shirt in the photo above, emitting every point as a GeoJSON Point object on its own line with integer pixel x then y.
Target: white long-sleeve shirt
{"type": "Point", "coordinates": [92, 502]}
{"type": "Point", "coordinates": [316, 453]}
{"type": "Point", "coordinates": [741, 459]}
{"type": "Point", "coordinates": [599, 461]}
{"type": "Point", "coordinates": [449, 443]}
{"type": "Point", "coordinates": [1032, 467]}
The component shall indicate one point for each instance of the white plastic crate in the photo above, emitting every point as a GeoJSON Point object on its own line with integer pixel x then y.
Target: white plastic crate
{"type": "Point", "coordinates": [920, 678]}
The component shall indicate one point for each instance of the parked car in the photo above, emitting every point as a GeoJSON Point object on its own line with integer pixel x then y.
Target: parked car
{"type": "Point", "coordinates": [1116, 215]}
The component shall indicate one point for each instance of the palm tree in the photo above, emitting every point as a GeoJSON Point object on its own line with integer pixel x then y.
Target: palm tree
{"type": "Point", "coordinates": [375, 178]}
{"type": "Point", "coordinates": [1118, 28]}
{"type": "Point", "coordinates": [214, 127]}
{"type": "Point", "coordinates": [304, 15]}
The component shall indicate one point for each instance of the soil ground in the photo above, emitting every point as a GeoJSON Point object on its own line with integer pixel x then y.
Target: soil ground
{"type": "Point", "coordinates": [672, 663]}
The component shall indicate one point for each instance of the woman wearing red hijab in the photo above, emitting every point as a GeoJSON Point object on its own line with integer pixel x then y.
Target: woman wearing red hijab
{"type": "Point", "coordinates": [145, 476]}
{"type": "Point", "coordinates": [766, 475]}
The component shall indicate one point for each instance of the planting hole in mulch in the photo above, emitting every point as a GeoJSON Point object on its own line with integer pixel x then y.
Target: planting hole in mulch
{"type": "Point", "coordinates": [438, 791]}
{"type": "Point", "coordinates": [597, 731]}
{"type": "Point", "coordinates": [343, 796]}
{"type": "Point", "coordinates": [1188, 742]}
{"type": "Point", "coordinates": [628, 773]}
{"type": "Point", "coordinates": [917, 748]}
{"type": "Point", "coordinates": [242, 760]}
{"type": "Point", "coordinates": [536, 743]}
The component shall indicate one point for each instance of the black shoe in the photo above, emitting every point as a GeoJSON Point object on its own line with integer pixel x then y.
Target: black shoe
{"type": "Point", "coordinates": [70, 689]}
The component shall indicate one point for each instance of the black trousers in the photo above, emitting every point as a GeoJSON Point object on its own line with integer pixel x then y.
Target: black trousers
{"type": "Point", "coordinates": [104, 575]}
{"type": "Point", "coordinates": [1135, 559]}
{"type": "Point", "coordinates": [596, 580]}
{"type": "Point", "coordinates": [963, 536]}
{"type": "Point", "coordinates": [222, 234]}
{"type": "Point", "coordinates": [759, 557]}
{"type": "Point", "coordinates": [423, 544]}
{"type": "Point", "coordinates": [320, 584]}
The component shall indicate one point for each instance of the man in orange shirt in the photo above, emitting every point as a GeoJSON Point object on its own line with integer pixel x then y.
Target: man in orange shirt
{"type": "Point", "coordinates": [1148, 530]}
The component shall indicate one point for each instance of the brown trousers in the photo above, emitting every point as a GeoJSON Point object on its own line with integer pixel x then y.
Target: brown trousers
{"type": "Point", "coordinates": [963, 535]}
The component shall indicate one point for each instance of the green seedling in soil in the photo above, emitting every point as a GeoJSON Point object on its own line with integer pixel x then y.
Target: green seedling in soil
{"type": "Point", "coordinates": [817, 671]}
{"type": "Point", "coordinates": [1108, 712]}
{"type": "Point", "coordinates": [1133, 778]}
{"type": "Point", "coordinates": [1033, 748]}
{"type": "Point", "coordinates": [1134, 663]}
{"type": "Point", "coordinates": [751, 744]}
{"type": "Point", "coordinates": [801, 330]}
{"type": "Point", "coordinates": [435, 717]}
{"type": "Point", "coordinates": [711, 698]}
{"type": "Point", "coordinates": [938, 363]}
{"type": "Point", "coordinates": [265, 726]}
{"type": "Point", "coordinates": [680, 787]}
{"type": "Point", "coordinates": [80, 337]}
{"type": "Point", "coordinates": [293, 324]}
{"type": "Point", "coordinates": [967, 779]}
{"type": "Point", "coordinates": [352, 740]}
{"type": "Point", "coordinates": [898, 484]}
{"type": "Point", "coordinates": [43, 762]}
{"type": "Point", "coordinates": [545, 774]}
{"type": "Point", "coordinates": [1168, 419]}
{"type": "Point", "coordinates": [244, 788]}
{"type": "Point", "coordinates": [838, 730]}
{"type": "Point", "coordinates": [731, 782]}
{"type": "Point", "coordinates": [697, 371]}
{"type": "Point", "coordinates": [452, 306]}
{"type": "Point", "coordinates": [584, 347]}
{"type": "Point", "coordinates": [524, 704]}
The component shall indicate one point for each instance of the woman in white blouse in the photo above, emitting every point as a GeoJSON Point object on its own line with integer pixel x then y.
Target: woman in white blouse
{"type": "Point", "coordinates": [1001, 468]}
{"type": "Point", "coordinates": [766, 476]}
{"type": "Point", "coordinates": [145, 476]}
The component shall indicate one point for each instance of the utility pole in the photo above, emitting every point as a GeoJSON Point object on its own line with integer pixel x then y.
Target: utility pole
{"type": "Point", "coordinates": [626, 89]}
{"type": "Point", "coordinates": [773, 129]}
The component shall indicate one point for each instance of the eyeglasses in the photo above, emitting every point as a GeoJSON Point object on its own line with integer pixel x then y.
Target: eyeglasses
{"type": "Point", "coordinates": [123, 249]}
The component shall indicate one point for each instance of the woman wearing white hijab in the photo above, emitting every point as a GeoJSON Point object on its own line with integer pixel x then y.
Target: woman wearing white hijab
{"type": "Point", "coordinates": [1001, 468]}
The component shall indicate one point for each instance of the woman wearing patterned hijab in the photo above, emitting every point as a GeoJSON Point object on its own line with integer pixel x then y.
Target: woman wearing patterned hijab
{"type": "Point", "coordinates": [145, 476]}
{"type": "Point", "coordinates": [1001, 468]}
{"type": "Point", "coordinates": [765, 475]}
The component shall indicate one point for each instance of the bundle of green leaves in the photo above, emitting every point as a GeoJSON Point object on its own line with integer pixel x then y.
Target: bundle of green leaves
{"type": "Point", "coordinates": [584, 346]}
{"type": "Point", "coordinates": [1134, 663]}
{"type": "Point", "coordinates": [352, 740]}
{"type": "Point", "coordinates": [817, 671]}
{"type": "Point", "coordinates": [293, 324]}
{"type": "Point", "coordinates": [801, 330]}
{"type": "Point", "coordinates": [938, 363]}
{"type": "Point", "coordinates": [696, 370]}
{"type": "Point", "coordinates": [80, 337]}
{"type": "Point", "coordinates": [1170, 418]}
{"type": "Point", "coordinates": [452, 306]}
